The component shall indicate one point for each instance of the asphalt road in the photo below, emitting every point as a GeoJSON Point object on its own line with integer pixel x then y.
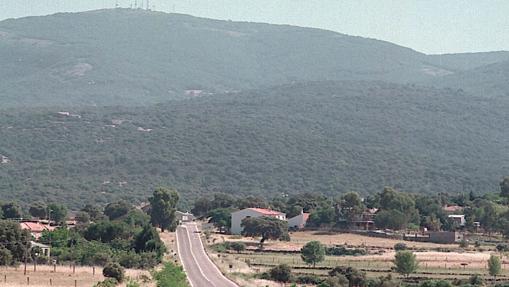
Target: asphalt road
{"type": "Point", "coordinates": [200, 270]}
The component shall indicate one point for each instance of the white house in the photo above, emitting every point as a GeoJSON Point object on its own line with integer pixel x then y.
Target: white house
{"type": "Point", "coordinates": [237, 217]}
{"type": "Point", "coordinates": [299, 221]}
{"type": "Point", "coordinates": [458, 219]}
{"type": "Point", "coordinates": [184, 216]}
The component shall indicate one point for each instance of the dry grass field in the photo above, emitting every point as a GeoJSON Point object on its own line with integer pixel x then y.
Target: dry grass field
{"type": "Point", "coordinates": [64, 276]}
{"type": "Point", "coordinates": [445, 261]}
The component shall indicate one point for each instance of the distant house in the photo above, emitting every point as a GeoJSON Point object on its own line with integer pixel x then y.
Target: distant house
{"type": "Point", "coordinates": [457, 219]}
{"type": "Point", "coordinates": [184, 216]}
{"type": "Point", "coordinates": [366, 220]}
{"type": "Point", "coordinates": [45, 249]}
{"type": "Point", "coordinates": [238, 216]}
{"type": "Point", "coordinates": [35, 227]}
{"type": "Point", "coordinates": [299, 221]}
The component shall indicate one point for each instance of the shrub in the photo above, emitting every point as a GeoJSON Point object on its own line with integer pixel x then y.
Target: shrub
{"type": "Point", "coordinates": [109, 282]}
{"type": "Point", "coordinates": [502, 247]}
{"type": "Point", "coordinates": [400, 246]}
{"type": "Point", "coordinates": [339, 250]}
{"type": "Point", "coordinates": [308, 279]}
{"type": "Point", "coordinates": [476, 280]}
{"type": "Point", "coordinates": [464, 244]}
{"type": "Point", "coordinates": [237, 246]}
{"type": "Point", "coordinates": [114, 270]}
{"type": "Point", "coordinates": [171, 275]}
{"type": "Point", "coordinates": [281, 273]}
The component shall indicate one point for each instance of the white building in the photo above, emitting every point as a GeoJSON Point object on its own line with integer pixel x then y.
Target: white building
{"type": "Point", "coordinates": [458, 219]}
{"type": "Point", "coordinates": [184, 216]}
{"type": "Point", "coordinates": [238, 216]}
{"type": "Point", "coordinates": [299, 221]}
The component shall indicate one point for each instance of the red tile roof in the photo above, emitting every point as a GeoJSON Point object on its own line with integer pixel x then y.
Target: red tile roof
{"type": "Point", "coordinates": [35, 227]}
{"type": "Point", "coordinates": [265, 211]}
{"type": "Point", "coordinates": [452, 208]}
{"type": "Point", "coordinates": [305, 216]}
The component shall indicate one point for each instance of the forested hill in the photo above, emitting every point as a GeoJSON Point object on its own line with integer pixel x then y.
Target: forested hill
{"type": "Point", "coordinates": [326, 137]}
{"type": "Point", "coordinates": [138, 57]}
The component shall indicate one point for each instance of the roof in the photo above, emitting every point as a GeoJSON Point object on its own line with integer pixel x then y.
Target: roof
{"type": "Point", "coordinates": [452, 208]}
{"type": "Point", "coordinates": [35, 226]}
{"type": "Point", "coordinates": [263, 211]}
{"type": "Point", "coordinates": [305, 216]}
{"type": "Point", "coordinates": [266, 211]}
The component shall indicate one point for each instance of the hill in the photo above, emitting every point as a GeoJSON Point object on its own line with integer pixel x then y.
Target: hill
{"type": "Point", "coordinates": [138, 57]}
{"type": "Point", "coordinates": [328, 137]}
{"type": "Point", "coordinates": [489, 80]}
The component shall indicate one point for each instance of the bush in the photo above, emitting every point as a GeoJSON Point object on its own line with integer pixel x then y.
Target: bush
{"type": "Point", "coordinates": [281, 273]}
{"type": "Point", "coordinates": [171, 276]}
{"type": "Point", "coordinates": [464, 244]}
{"type": "Point", "coordinates": [502, 247]}
{"type": "Point", "coordinates": [237, 246]}
{"type": "Point", "coordinates": [109, 282]}
{"type": "Point", "coordinates": [339, 250]}
{"type": "Point", "coordinates": [400, 246]}
{"type": "Point", "coordinates": [476, 280]}
{"type": "Point", "coordinates": [308, 279]}
{"type": "Point", "coordinates": [5, 256]}
{"type": "Point", "coordinates": [114, 270]}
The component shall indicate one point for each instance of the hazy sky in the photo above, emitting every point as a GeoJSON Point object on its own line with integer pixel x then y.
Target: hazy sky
{"type": "Point", "coordinates": [430, 26]}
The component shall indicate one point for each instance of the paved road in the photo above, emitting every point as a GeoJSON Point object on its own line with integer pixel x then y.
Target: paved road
{"type": "Point", "coordinates": [200, 270]}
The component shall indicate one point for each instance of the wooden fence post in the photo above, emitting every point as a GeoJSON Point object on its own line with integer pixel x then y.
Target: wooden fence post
{"type": "Point", "coordinates": [28, 280]}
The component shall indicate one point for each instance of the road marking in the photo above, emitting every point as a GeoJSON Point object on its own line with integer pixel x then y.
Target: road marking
{"type": "Point", "coordinates": [180, 258]}
{"type": "Point", "coordinates": [210, 260]}
{"type": "Point", "coordinates": [194, 257]}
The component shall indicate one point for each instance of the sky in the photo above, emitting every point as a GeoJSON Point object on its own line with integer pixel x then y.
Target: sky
{"type": "Point", "coordinates": [429, 26]}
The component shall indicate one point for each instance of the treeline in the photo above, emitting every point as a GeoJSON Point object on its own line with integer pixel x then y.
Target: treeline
{"type": "Point", "coordinates": [390, 209]}
{"type": "Point", "coordinates": [325, 137]}
{"type": "Point", "coordinates": [118, 233]}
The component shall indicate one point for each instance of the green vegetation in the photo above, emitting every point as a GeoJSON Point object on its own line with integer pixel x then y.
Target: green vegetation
{"type": "Point", "coordinates": [115, 271]}
{"type": "Point", "coordinates": [198, 146]}
{"type": "Point", "coordinates": [405, 262]}
{"type": "Point", "coordinates": [265, 227]}
{"type": "Point", "coordinates": [14, 243]}
{"type": "Point", "coordinates": [171, 276]}
{"type": "Point", "coordinates": [313, 252]}
{"type": "Point", "coordinates": [494, 266]}
{"type": "Point", "coordinates": [163, 205]}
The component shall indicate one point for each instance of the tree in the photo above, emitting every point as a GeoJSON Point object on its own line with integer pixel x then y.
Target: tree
{"type": "Point", "coordinates": [116, 210]}
{"type": "Point", "coordinates": [5, 256]}
{"type": "Point", "coordinates": [405, 262]}
{"type": "Point", "coordinates": [494, 266]}
{"type": "Point", "coordinates": [266, 227]}
{"type": "Point", "coordinates": [313, 252]}
{"type": "Point", "coordinates": [251, 201]}
{"type": "Point", "coordinates": [281, 273]}
{"type": "Point", "coordinates": [94, 211]}
{"type": "Point", "coordinates": [351, 206]}
{"type": "Point", "coordinates": [114, 270]}
{"type": "Point", "coordinates": [11, 210]}
{"type": "Point", "coordinates": [148, 240]}
{"type": "Point", "coordinates": [57, 213]}
{"type": "Point", "coordinates": [321, 216]}
{"type": "Point", "coordinates": [391, 219]}
{"type": "Point", "coordinates": [14, 239]}
{"type": "Point", "coordinates": [163, 205]}
{"type": "Point", "coordinates": [221, 218]}
{"type": "Point", "coordinates": [237, 246]}
{"type": "Point", "coordinates": [504, 187]}
{"type": "Point", "coordinates": [82, 218]}
{"type": "Point", "coordinates": [38, 209]}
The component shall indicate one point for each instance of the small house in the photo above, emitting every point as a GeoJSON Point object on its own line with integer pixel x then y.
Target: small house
{"type": "Point", "coordinates": [184, 216]}
{"type": "Point", "coordinates": [457, 219]}
{"type": "Point", "coordinates": [45, 249]}
{"type": "Point", "coordinates": [35, 227]}
{"type": "Point", "coordinates": [238, 216]}
{"type": "Point", "coordinates": [299, 221]}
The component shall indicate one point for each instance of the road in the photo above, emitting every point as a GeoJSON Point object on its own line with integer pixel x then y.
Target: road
{"type": "Point", "coordinates": [200, 270]}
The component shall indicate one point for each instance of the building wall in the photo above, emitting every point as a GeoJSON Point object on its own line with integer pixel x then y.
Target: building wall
{"type": "Point", "coordinates": [241, 214]}
{"type": "Point", "coordinates": [296, 222]}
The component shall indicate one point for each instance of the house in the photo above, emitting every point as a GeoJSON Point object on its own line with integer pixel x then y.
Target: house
{"type": "Point", "coordinates": [184, 216]}
{"type": "Point", "coordinates": [299, 221]}
{"type": "Point", "coordinates": [445, 237]}
{"type": "Point", "coordinates": [45, 249]}
{"type": "Point", "coordinates": [457, 219]}
{"type": "Point", "coordinates": [238, 216]}
{"type": "Point", "coordinates": [35, 227]}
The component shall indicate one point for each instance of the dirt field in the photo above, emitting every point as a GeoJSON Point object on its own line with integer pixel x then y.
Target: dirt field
{"type": "Point", "coordinates": [298, 239]}
{"type": "Point", "coordinates": [450, 263]}
{"type": "Point", "coordinates": [64, 276]}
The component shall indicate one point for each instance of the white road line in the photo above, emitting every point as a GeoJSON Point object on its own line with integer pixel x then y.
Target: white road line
{"type": "Point", "coordinates": [194, 257]}
{"type": "Point", "coordinates": [180, 258]}
{"type": "Point", "coordinates": [210, 260]}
